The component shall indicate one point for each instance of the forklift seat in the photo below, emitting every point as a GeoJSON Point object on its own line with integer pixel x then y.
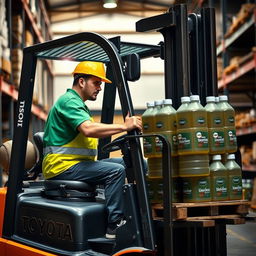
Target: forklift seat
{"type": "Point", "coordinates": [63, 189]}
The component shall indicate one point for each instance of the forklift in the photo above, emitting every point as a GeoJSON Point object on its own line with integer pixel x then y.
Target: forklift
{"type": "Point", "coordinates": [59, 217]}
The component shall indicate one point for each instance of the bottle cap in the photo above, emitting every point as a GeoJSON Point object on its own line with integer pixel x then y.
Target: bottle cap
{"type": "Point", "coordinates": [223, 98]}
{"type": "Point", "coordinates": [185, 99]}
{"type": "Point", "coordinates": [158, 102]}
{"type": "Point", "coordinates": [167, 101]}
{"type": "Point", "coordinates": [216, 157]}
{"type": "Point", "coordinates": [150, 104]}
{"type": "Point", "coordinates": [231, 157]}
{"type": "Point", "coordinates": [194, 98]}
{"type": "Point", "coordinates": [210, 99]}
{"type": "Point", "coordinates": [217, 99]}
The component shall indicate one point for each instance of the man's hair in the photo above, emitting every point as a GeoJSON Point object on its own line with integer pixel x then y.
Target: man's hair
{"type": "Point", "coordinates": [77, 76]}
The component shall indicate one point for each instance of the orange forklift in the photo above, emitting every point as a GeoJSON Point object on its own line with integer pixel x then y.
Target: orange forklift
{"type": "Point", "coordinates": [42, 217]}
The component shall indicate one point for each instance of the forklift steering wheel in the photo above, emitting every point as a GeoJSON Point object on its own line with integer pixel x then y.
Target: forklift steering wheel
{"type": "Point", "coordinates": [115, 145]}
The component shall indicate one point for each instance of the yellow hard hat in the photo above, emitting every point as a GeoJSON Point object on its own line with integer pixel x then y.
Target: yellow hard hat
{"type": "Point", "coordinates": [92, 68]}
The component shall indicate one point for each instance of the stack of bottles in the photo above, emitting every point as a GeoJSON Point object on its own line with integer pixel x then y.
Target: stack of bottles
{"type": "Point", "coordinates": [203, 140]}
{"type": "Point", "coordinates": [193, 150]}
{"type": "Point", "coordinates": [160, 118]}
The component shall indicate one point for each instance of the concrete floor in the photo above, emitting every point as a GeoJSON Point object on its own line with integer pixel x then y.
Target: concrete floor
{"type": "Point", "coordinates": [241, 239]}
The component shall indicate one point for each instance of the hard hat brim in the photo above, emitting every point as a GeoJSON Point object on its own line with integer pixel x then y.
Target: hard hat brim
{"type": "Point", "coordinates": [103, 79]}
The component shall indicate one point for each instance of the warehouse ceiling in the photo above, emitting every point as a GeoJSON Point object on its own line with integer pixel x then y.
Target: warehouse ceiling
{"type": "Point", "coordinates": [64, 10]}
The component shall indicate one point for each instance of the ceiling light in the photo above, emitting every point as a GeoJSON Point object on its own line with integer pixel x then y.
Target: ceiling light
{"type": "Point", "coordinates": [109, 4]}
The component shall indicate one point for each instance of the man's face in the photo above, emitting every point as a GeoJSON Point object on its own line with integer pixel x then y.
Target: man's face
{"type": "Point", "coordinates": [90, 88]}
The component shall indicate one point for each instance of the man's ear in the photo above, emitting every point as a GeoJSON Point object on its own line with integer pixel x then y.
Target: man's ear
{"type": "Point", "coordinates": [81, 82]}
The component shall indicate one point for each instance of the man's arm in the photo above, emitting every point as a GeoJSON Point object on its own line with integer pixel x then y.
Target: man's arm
{"type": "Point", "coordinates": [101, 130]}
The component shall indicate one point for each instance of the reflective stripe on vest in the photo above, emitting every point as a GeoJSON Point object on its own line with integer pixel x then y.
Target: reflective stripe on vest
{"type": "Point", "coordinates": [70, 151]}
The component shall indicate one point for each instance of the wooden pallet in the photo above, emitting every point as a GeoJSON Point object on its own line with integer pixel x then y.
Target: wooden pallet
{"type": "Point", "coordinates": [205, 211]}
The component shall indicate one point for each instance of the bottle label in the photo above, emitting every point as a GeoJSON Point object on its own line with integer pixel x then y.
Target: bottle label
{"type": "Point", "coordinates": [147, 145]}
{"type": "Point", "coordinates": [182, 121]}
{"type": "Point", "coordinates": [159, 144]}
{"type": "Point", "coordinates": [203, 189]}
{"type": "Point", "coordinates": [187, 190]}
{"type": "Point", "coordinates": [235, 186]}
{"type": "Point", "coordinates": [145, 126]}
{"type": "Point", "coordinates": [217, 139]}
{"type": "Point", "coordinates": [231, 137]}
{"type": "Point", "coordinates": [172, 139]}
{"type": "Point", "coordinates": [201, 140]}
{"type": "Point", "coordinates": [220, 188]}
{"type": "Point", "coordinates": [174, 144]}
{"type": "Point", "coordinates": [231, 120]}
{"type": "Point", "coordinates": [159, 125]}
{"type": "Point", "coordinates": [201, 120]}
{"type": "Point", "coordinates": [217, 121]}
{"type": "Point", "coordinates": [184, 140]}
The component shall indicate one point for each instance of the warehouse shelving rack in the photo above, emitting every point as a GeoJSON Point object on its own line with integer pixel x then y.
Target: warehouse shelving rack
{"type": "Point", "coordinates": [241, 79]}
{"type": "Point", "coordinates": [9, 92]}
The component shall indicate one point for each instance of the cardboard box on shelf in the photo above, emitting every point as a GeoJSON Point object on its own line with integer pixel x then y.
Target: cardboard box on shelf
{"type": "Point", "coordinates": [245, 12]}
{"type": "Point", "coordinates": [29, 38]}
{"type": "Point", "coordinates": [6, 65]}
{"type": "Point", "coordinates": [254, 151]}
{"type": "Point", "coordinates": [17, 24]}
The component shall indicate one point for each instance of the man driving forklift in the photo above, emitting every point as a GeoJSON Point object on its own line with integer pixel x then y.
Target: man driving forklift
{"type": "Point", "coordinates": [70, 141]}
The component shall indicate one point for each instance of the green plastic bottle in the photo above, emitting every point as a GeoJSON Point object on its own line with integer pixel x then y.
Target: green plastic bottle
{"type": "Point", "coordinates": [166, 120]}
{"type": "Point", "coordinates": [229, 124]}
{"type": "Point", "coordinates": [155, 187]}
{"type": "Point", "coordinates": [219, 179]}
{"type": "Point", "coordinates": [155, 159]}
{"type": "Point", "coordinates": [192, 128]}
{"type": "Point", "coordinates": [192, 134]}
{"type": "Point", "coordinates": [196, 189]}
{"type": "Point", "coordinates": [183, 124]}
{"type": "Point", "coordinates": [148, 128]}
{"type": "Point", "coordinates": [234, 178]}
{"type": "Point", "coordinates": [215, 126]}
{"type": "Point", "coordinates": [158, 145]}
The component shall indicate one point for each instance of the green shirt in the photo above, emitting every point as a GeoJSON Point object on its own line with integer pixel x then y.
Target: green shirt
{"type": "Point", "coordinates": [64, 145]}
{"type": "Point", "coordinates": [65, 116]}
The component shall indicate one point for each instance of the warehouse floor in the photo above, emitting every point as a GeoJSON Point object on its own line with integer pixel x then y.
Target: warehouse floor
{"type": "Point", "coordinates": [241, 239]}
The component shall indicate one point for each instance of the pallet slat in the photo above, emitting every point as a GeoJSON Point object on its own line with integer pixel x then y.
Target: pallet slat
{"type": "Point", "coordinates": [205, 210]}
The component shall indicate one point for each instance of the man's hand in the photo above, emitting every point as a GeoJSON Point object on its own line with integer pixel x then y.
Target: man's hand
{"type": "Point", "coordinates": [133, 122]}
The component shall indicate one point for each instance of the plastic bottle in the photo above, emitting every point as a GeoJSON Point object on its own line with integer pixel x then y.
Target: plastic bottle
{"type": "Point", "coordinates": [157, 110]}
{"type": "Point", "coordinates": [196, 189]}
{"type": "Point", "coordinates": [229, 124]}
{"type": "Point", "coordinates": [219, 179]}
{"type": "Point", "coordinates": [148, 128]}
{"type": "Point", "coordinates": [155, 186]}
{"type": "Point", "coordinates": [192, 134]}
{"type": "Point", "coordinates": [234, 178]}
{"type": "Point", "coordinates": [166, 120]}
{"type": "Point", "coordinates": [192, 128]}
{"type": "Point", "coordinates": [155, 158]}
{"type": "Point", "coordinates": [215, 127]}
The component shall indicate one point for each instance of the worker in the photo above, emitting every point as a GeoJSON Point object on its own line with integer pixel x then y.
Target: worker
{"type": "Point", "coordinates": [70, 141]}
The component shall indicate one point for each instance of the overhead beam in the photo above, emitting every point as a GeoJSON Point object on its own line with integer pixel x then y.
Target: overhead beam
{"type": "Point", "coordinates": [103, 10]}
{"type": "Point", "coordinates": [59, 33]}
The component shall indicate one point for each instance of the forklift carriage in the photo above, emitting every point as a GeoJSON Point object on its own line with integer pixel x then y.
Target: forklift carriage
{"type": "Point", "coordinates": [76, 227]}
